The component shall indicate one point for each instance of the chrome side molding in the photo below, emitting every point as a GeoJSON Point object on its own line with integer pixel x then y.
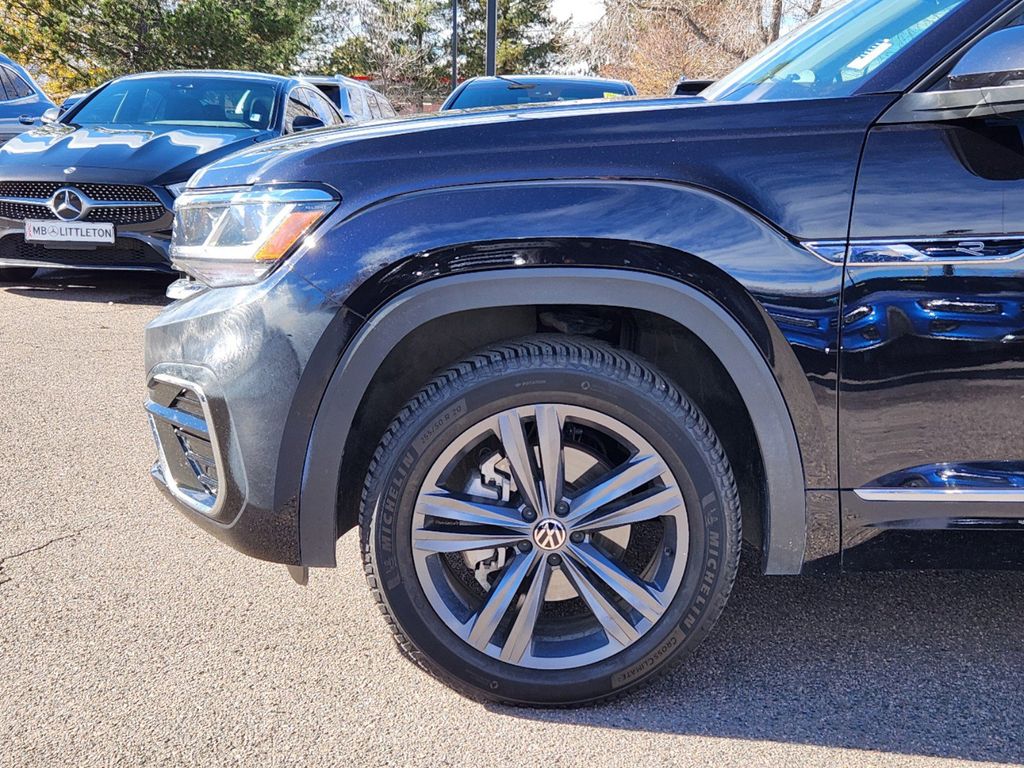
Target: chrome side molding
{"type": "Point", "coordinates": [997, 249]}
{"type": "Point", "coordinates": [1008, 495]}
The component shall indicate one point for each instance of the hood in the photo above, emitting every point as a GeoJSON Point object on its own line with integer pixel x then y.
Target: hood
{"type": "Point", "coordinates": [144, 155]}
{"type": "Point", "coordinates": [429, 134]}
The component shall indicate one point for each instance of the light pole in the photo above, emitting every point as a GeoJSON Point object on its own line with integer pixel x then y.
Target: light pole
{"type": "Point", "coordinates": [492, 37]}
{"type": "Point", "coordinates": [455, 44]}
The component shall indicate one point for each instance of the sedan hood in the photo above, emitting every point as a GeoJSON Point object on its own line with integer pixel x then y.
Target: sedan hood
{"type": "Point", "coordinates": [144, 155]}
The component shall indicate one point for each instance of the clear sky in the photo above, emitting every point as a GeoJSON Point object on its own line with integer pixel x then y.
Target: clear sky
{"type": "Point", "coordinates": [582, 12]}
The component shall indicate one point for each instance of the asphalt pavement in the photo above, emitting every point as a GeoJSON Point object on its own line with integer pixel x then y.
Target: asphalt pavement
{"type": "Point", "coordinates": [129, 637]}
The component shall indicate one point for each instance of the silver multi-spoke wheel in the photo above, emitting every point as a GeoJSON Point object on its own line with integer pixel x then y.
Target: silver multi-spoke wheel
{"type": "Point", "coordinates": [550, 521]}
{"type": "Point", "coordinates": [550, 536]}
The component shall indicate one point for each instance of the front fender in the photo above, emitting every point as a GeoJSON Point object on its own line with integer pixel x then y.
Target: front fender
{"type": "Point", "coordinates": [782, 298]}
{"type": "Point", "coordinates": [785, 297]}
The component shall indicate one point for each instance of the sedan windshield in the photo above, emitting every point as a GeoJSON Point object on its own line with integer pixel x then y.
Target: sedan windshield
{"type": "Point", "coordinates": [833, 53]}
{"type": "Point", "coordinates": [514, 90]}
{"type": "Point", "coordinates": [185, 100]}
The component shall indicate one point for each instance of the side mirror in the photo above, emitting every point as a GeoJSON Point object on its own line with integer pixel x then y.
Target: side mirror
{"type": "Point", "coordinates": [994, 61]}
{"type": "Point", "coordinates": [306, 123]}
{"type": "Point", "coordinates": [50, 116]}
{"type": "Point", "coordinates": [988, 81]}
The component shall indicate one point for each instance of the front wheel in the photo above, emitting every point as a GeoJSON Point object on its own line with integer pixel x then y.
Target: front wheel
{"type": "Point", "coordinates": [550, 522]}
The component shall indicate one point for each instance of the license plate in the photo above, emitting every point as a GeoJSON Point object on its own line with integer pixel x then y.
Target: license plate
{"type": "Point", "coordinates": [68, 232]}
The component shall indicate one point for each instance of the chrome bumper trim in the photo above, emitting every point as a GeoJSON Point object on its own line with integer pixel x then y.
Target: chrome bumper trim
{"type": "Point", "coordinates": [161, 470]}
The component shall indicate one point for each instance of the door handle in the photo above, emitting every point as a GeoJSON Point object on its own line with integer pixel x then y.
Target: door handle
{"type": "Point", "coordinates": [26, 119]}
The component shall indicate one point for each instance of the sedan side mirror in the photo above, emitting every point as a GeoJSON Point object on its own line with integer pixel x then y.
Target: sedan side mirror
{"type": "Point", "coordinates": [50, 116]}
{"type": "Point", "coordinates": [306, 123]}
{"type": "Point", "coordinates": [994, 61]}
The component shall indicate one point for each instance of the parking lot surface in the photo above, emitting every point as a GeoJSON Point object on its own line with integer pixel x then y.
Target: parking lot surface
{"type": "Point", "coordinates": [129, 637]}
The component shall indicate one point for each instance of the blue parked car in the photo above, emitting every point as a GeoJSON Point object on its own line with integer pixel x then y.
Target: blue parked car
{"type": "Point", "coordinates": [22, 102]}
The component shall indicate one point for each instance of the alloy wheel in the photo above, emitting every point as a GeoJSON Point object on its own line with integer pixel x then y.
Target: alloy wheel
{"type": "Point", "coordinates": [550, 536]}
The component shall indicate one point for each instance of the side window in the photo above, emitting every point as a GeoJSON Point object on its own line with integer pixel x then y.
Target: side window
{"type": "Point", "coordinates": [356, 107]}
{"type": "Point", "coordinates": [21, 88]}
{"type": "Point", "coordinates": [385, 107]}
{"type": "Point", "coordinates": [363, 108]}
{"type": "Point", "coordinates": [371, 98]}
{"type": "Point", "coordinates": [295, 106]}
{"type": "Point", "coordinates": [322, 106]}
{"type": "Point", "coordinates": [6, 86]}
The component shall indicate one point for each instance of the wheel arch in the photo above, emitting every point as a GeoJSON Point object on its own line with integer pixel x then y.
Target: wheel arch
{"type": "Point", "coordinates": [765, 393]}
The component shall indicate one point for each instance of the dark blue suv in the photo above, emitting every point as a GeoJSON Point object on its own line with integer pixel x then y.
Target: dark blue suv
{"type": "Point", "coordinates": [557, 363]}
{"type": "Point", "coordinates": [22, 102]}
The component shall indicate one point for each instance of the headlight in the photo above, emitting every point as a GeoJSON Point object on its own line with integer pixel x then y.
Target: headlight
{"type": "Point", "coordinates": [237, 236]}
{"type": "Point", "coordinates": [176, 189]}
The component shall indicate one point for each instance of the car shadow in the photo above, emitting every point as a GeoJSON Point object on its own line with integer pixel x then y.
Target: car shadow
{"type": "Point", "coordinates": [912, 663]}
{"type": "Point", "coordinates": [145, 288]}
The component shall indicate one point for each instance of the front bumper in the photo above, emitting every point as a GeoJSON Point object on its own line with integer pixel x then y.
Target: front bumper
{"type": "Point", "coordinates": [131, 251]}
{"type": "Point", "coordinates": [224, 369]}
{"type": "Point", "coordinates": [141, 216]}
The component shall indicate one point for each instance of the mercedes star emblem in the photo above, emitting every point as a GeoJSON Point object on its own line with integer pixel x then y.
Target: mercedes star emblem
{"type": "Point", "coordinates": [67, 204]}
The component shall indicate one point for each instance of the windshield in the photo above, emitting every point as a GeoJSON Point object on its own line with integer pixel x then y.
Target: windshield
{"type": "Point", "coordinates": [833, 53]}
{"type": "Point", "coordinates": [496, 93]}
{"type": "Point", "coordinates": [212, 102]}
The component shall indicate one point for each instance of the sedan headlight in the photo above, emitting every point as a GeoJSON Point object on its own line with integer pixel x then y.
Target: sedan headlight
{"type": "Point", "coordinates": [237, 236]}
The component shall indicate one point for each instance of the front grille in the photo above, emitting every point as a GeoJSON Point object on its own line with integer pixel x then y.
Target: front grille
{"type": "Point", "coordinates": [124, 252]}
{"type": "Point", "coordinates": [140, 203]}
{"type": "Point", "coordinates": [126, 214]}
{"type": "Point", "coordinates": [43, 190]}
{"type": "Point", "coordinates": [119, 214]}
{"type": "Point", "coordinates": [21, 211]}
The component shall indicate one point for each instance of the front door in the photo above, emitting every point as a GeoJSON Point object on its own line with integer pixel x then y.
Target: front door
{"type": "Point", "coordinates": [931, 418]}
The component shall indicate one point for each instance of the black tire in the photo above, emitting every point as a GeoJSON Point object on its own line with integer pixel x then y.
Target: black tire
{"type": "Point", "coordinates": [571, 371]}
{"type": "Point", "coordinates": [16, 274]}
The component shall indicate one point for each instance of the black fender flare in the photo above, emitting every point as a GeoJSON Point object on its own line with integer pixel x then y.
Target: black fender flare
{"type": "Point", "coordinates": [785, 519]}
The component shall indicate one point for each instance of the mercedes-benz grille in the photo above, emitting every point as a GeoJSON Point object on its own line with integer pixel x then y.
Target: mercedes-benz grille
{"type": "Point", "coordinates": [121, 204]}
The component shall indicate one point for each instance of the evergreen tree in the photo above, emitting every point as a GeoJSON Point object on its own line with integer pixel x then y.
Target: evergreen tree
{"type": "Point", "coordinates": [77, 44]}
{"type": "Point", "coordinates": [529, 37]}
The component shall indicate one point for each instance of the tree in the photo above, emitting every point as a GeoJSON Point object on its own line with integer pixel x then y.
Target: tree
{"type": "Point", "coordinates": [401, 44]}
{"type": "Point", "coordinates": [78, 44]}
{"type": "Point", "coordinates": [529, 36]}
{"type": "Point", "coordinates": [404, 45]}
{"type": "Point", "coordinates": [653, 42]}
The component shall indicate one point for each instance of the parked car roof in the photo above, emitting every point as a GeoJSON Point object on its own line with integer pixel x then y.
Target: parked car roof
{"type": "Point", "coordinates": [242, 74]}
{"type": "Point", "coordinates": [511, 90]}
